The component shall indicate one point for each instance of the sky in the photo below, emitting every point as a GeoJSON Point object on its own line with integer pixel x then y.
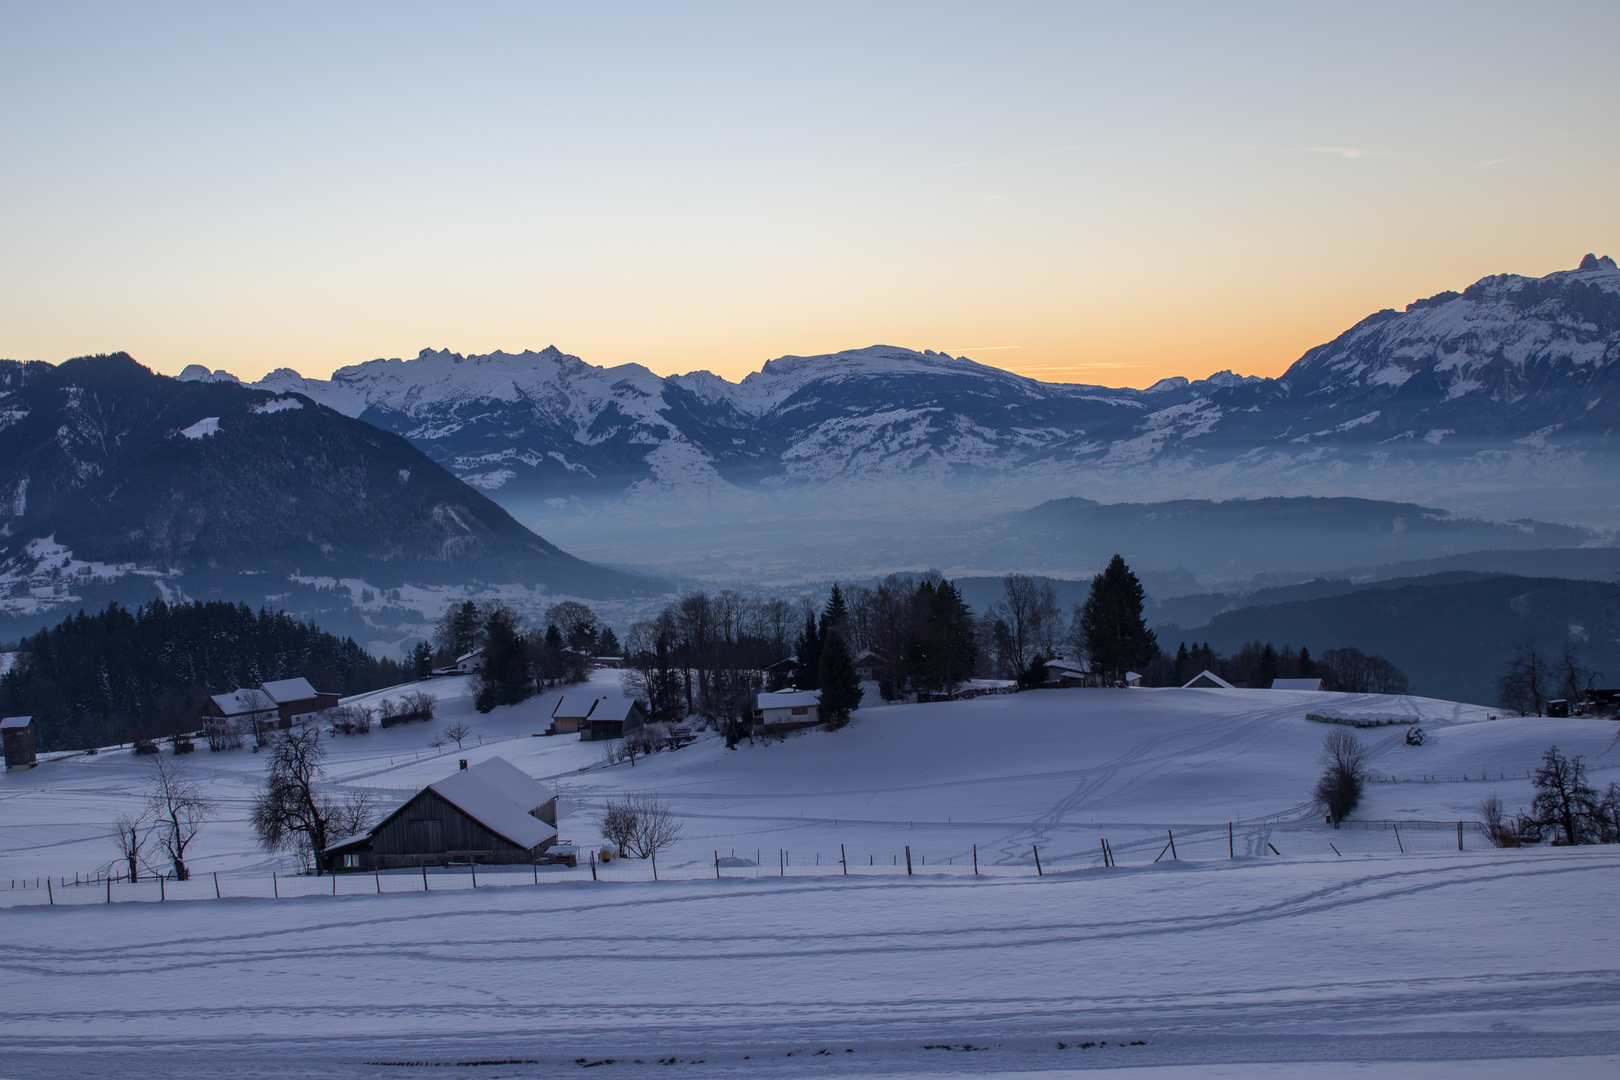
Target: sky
{"type": "Point", "coordinates": [1097, 193]}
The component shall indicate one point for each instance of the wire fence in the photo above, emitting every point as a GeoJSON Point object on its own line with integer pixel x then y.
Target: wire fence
{"type": "Point", "coordinates": [1111, 845]}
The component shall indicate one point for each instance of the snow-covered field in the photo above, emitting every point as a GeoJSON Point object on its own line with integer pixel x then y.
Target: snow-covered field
{"type": "Point", "coordinates": [1433, 962]}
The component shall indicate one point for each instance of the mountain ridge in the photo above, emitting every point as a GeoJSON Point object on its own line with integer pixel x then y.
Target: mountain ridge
{"type": "Point", "coordinates": [1506, 385]}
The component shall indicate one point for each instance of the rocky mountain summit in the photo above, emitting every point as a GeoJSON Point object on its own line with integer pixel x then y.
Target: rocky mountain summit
{"type": "Point", "coordinates": [1506, 384]}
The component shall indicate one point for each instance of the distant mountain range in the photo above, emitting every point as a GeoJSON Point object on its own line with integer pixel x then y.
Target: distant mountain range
{"type": "Point", "coordinates": [1507, 385]}
{"type": "Point", "coordinates": [119, 483]}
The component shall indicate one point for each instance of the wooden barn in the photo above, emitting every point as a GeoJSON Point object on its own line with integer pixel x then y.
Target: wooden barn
{"type": "Point", "coordinates": [18, 734]}
{"type": "Point", "coordinates": [571, 712]}
{"type": "Point", "coordinates": [492, 812]}
{"type": "Point", "coordinates": [613, 718]}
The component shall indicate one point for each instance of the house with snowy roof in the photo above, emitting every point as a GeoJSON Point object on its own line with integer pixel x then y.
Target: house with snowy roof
{"type": "Point", "coordinates": [1296, 684]}
{"type": "Point", "coordinates": [785, 710]}
{"type": "Point", "coordinates": [491, 812]}
{"type": "Point", "coordinates": [571, 712]}
{"type": "Point", "coordinates": [282, 702]}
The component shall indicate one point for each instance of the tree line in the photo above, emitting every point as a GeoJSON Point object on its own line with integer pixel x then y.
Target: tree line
{"type": "Point", "coordinates": [517, 661]}
{"type": "Point", "coordinates": [123, 674]}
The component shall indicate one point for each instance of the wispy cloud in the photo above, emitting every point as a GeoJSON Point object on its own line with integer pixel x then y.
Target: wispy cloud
{"type": "Point", "coordinates": [1351, 152]}
{"type": "Point", "coordinates": [1494, 161]}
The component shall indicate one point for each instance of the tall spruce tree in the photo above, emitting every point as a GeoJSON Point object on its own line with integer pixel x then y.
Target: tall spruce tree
{"type": "Point", "coordinates": [504, 678]}
{"type": "Point", "coordinates": [840, 689]}
{"type": "Point", "coordinates": [1116, 635]}
{"type": "Point", "coordinates": [809, 650]}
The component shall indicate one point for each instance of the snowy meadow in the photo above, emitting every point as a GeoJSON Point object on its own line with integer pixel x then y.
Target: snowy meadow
{"type": "Point", "coordinates": [1266, 936]}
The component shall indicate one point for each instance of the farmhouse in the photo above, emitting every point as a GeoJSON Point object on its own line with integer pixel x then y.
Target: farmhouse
{"type": "Point", "coordinates": [1208, 680]}
{"type": "Point", "coordinates": [492, 812]}
{"type": "Point", "coordinates": [18, 734]}
{"type": "Point", "coordinates": [247, 706]}
{"type": "Point", "coordinates": [571, 712]}
{"type": "Point", "coordinates": [284, 702]}
{"type": "Point", "coordinates": [1061, 672]}
{"type": "Point", "coordinates": [613, 718]}
{"type": "Point", "coordinates": [1296, 684]}
{"type": "Point", "coordinates": [785, 710]}
{"type": "Point", "coordinates": [870, 664]}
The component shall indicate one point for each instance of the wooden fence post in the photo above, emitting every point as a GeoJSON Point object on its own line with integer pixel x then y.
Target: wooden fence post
{"type": "Point", "coordinates": [536, 868]}
{"type": "Point", "coordinates": [1398, 840]}
{"type": "Point", "coordinates": [908, 860]}
{"type": "Point", "coordinates": [843, 860]}
{"type": "Point", "coordinates": [334, 883]}
{"type": "Point", "coordinates": [472, 864]}
{"type": "Point", "coordinates": [49, 895]}
{"type": "Point", "coordinates": [1172, 837]}
{"type": "Point", "coordinates": [216, 884]}
{"type": "Point", "coordinates": [424, 877]}
{"type": "Point", "coordinates": [1459, 836]}
{"type": "Point", "coordinates": [275, 888]}
{"type": "Point", "coordinates": [109, 888]}
{"type": "Point", "coordinates": [1038, 871]}
{"type": "Point", "coordinates": [593, 865]}
{"type": "Point", "coordinates": [1231, 851]}
{"type": "Point", "coordinates": [162, 888]}
{"type": "Point", "coordinates": [378, 875]}
{"type": "Point", "coordinates": [717, 864]}
{"type": "Point", "coordinates": [975, 860]}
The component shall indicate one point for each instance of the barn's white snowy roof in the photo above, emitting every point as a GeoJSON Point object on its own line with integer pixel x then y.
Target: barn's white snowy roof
{"type": "Point", "coordinates": [575, 706]}
{"type": "Point", "coordinates": [1060, 664]}
{"type": "Point", "coordinates": [789, 699]}
{"type": "Point", "coordinates": [242, 701]}
{"type": "Point", "coordinates": [289, 690]}
{"type": "Point", "coordinates": [1296, 684]}
{"type": "Point", "coordinates": [16, 722]}
{"type": "Point", "coordinates": [613, 708]}
{"type": "Point", "coordinates": [498, 795]}
{"type": "Point", "coordinates": [1209, 679]}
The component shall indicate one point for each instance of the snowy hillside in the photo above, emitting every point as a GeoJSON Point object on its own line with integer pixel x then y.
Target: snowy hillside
{"type": "Point", "coordinates": [1401, 962]}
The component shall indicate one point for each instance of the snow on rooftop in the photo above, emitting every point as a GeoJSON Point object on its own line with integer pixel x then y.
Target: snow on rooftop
{"type": "Point", "coordinates": [16, 722]}
{"type": "Point", "coordinates": [289, 690]}
{"type": "Point", "coordinates": [789, 699]}
{"type": "Point", "coordinates": [498, 795]}
{"type": "Point", "coordinates": [613, 708]}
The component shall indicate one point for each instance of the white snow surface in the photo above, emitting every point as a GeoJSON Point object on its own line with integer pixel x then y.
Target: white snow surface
{"type": "Point", "coordinates": [208, 425]}
{"type": "Point", "coordinates": [1373, 962]}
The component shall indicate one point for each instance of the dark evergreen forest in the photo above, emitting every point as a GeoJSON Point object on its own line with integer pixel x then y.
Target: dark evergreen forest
{"type": "Point", "coordinates": [123, 673]}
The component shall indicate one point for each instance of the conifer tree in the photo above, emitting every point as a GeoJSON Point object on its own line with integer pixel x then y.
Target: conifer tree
{"type": "Point", "coordinates": [809, 650]}
{"type": "Point", "coordinates": [840, 689]}
{"type": "Point", "coordinates": [1117, 637]}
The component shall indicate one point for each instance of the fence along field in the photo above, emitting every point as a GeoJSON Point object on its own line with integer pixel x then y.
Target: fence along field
{"type": "Point", "coordinates": [1069, 848]}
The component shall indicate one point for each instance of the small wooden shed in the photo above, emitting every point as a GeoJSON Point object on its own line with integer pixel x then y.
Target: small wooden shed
{"type": "Point", "coordinates": [492, 812]}
{"type": "Point", "coordinates": [18, 734]}
{"type": "Point", "coordinates": [569, 715]}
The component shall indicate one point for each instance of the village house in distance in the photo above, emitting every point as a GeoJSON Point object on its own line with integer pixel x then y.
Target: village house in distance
{"type": "Point", "coordinates": [492, 812]}
{"type": "Point", "coordinates": [276, 704]}
{"type": "Point", "coordinates": [18, 734]}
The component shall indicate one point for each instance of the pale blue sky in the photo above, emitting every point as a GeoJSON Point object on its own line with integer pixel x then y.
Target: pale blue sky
{"type": "Point", "coordinates": [1094, 192]}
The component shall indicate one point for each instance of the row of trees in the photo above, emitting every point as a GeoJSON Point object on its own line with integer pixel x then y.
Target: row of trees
{"type": "Point", "coordinates": [517, 661]}
{"type": "Point", "coordinates": [1535, 677]}
{"type": "Point", "coordinates": [123, 674]}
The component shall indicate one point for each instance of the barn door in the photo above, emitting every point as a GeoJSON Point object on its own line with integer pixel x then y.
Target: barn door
{"type": "Point", "coordinates": [427, 836]}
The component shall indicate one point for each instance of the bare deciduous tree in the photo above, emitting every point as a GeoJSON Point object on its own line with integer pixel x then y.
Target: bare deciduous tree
{"type": "Point", "coordinates": [130, 834]}
{"type": "Point", "coordinates": [458, 732]}
{"type": "Point", "coordinates": [179, 807]}
{"type": "Point", "coordinates": [1492, 818]}
{"type": "Point", "coordinates": [292, 813]}
{"type": "Point", "coordinates": [1523, 688]}
{"type": "Point", "coordinates": [1344, 771]}
{"type": "Point", "coordinates": [639, 824]}
{"type": "Point", "coordinates": [618, 824]}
